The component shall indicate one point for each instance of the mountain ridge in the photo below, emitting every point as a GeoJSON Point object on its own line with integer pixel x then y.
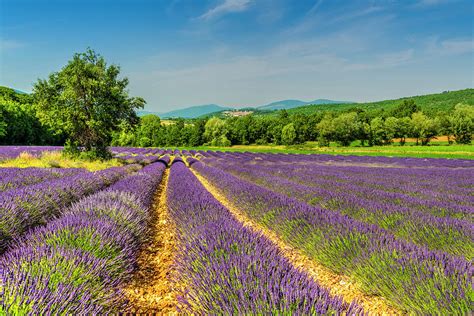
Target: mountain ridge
{"type": "Point", "coordinates": [205, 109]}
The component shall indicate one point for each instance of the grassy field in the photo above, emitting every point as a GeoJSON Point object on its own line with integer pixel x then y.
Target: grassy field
{"type": "Point", "coordinates": [435, 150]}
{"type": "Point", "coordinates": [56, 160]}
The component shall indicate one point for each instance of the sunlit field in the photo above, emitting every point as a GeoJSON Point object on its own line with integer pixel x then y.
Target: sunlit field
{"type": "Point", "coordinates": [204, 232]}
{"type": "Point", "coordinates": [435, 150]}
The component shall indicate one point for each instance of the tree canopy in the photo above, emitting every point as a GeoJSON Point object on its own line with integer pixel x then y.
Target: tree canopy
{"type": "Point", "coordinates": [87, 101]}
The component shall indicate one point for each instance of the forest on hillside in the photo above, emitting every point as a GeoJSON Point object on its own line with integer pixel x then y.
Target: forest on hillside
{"type": "Point", "coordinates": [424, 117]}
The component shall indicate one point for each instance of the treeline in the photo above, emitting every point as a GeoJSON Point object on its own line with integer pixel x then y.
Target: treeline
{"type": "Point", "coordinates": [371, 127]}
{"type": "Point", "coordinates": [19, 124]}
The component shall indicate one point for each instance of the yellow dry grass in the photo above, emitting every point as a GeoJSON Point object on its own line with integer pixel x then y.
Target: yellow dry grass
{"type": "Point", "coordinates": [337, 284]}
{"type": "Point", "coordinates": [151, 290]}
{"type": "Point", "coordinates": [55, 159]}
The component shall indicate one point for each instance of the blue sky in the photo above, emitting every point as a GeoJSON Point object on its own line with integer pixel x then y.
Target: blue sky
{"type": "Point", "coordinates": [178, 53]}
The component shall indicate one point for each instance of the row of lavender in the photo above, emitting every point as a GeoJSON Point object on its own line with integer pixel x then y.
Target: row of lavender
{"type": "Point", "coordinates": [453, 183]}
{"type": "Point", "coordinates": [409, 221]}
{"type": "Point", "coordinates": [77, 262]}
{"type": "Point", "coordinates": [32, 205]}
{"type": "Point", "coordinates": [228, 269]}
{"type": "Point", "coordinates": [11, 178]}
{"type": "Point", "coordinates": [412, 277]}
{"type": "Point", "coordinates": [364, 160]}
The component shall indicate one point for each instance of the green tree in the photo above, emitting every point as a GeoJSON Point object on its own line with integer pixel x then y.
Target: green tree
{"type": "Point", "coordinates": [325, 130]}
{"type": "Point", "coordinates": [125, 136]}
{"type": "Point", "coordinates": [3, 125]}
{"type": "Point", "coordinates": [405, 109]}
{"type": "Point", "coordinates": [404, 129]}
{"type": "Point", "coordinates": [175, 135]}
{"type": "Point", "coordinates": [392, 129]}
{"type": "Point", "coordinates": [215, 132]}
{"type": "Point", "coordinates": [87, 101]}
{"type": "Point", "coordinates": [21, 126]}
{"type": "Point", "coordinates": [288, 134]}
{"type": "Point", "coordinates": [302, 127]}
{"type": "Point", "coordinates": [345, 128]}
{"type": "Point", "coordinates": [196, 138]}
{"type": "Point", "coordinates": [379, 135]}
{"type": "Point", "coordinates": [424, 128]}
{"type": "Point", "coordinates": [462, 122]}
{"type": "Point", "coordinates": [150, 126]}
{"type": "Point", "coordinates": [446, 125]}
{"type": "Point", "coordinates": [239, 129]}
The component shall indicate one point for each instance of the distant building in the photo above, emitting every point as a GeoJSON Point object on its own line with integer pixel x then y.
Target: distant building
{"type": "Point", "coordinates": [236, 113]}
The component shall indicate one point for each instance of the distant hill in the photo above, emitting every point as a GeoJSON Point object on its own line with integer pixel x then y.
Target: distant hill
{"type": "Point", "coordinates": [290, 104]}
{"type": "Point", "coordinates": [15, 95]}
{"type": "Point", "coordinates": [189, 112]}
{"type": "Point", "coordinates": [428, 103]}
{"type": "Point", "coordinates": [211, 109]}
{"type": "Point", "coordinates": [444, 101]}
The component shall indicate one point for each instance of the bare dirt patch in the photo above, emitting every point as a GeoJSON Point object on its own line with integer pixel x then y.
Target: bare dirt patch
{"type": "Point", "coordinates": [152, 289]}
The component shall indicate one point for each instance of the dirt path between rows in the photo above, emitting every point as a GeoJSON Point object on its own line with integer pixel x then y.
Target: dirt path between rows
{"type": "Point", "coordinates": [337, 284]}
{"type": "Point", "coordinates": [151, 289]}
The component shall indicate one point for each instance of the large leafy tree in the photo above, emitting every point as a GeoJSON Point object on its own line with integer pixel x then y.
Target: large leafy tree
{"type": "Point", "coordinates": [87, 101]}
{"type": "Point", "coordinates": [423, 127]}
{"type": "Point", "coordinates": [215, 132]}
{"type": "Point", "coordinates": [462, 121]}
{"type": "Point", "coordinates": [150, 126]}
{"type": "Point", "coordinates": [288, 134]}
{"type": "Point", "coordinates": [3, 125]}
{"type": "Point", "coordinates": [346, 128]}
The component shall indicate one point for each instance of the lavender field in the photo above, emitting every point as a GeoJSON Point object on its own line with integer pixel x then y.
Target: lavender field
{"type": "Point", "coordinates": [215, 233]}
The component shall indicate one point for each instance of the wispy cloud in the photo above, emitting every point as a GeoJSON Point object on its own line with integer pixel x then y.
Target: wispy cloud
{"type": "Point", "coordinates": [227, 6]}
{"type": "Point", "coordinates": [383, 61]}
{"type": "Point", "coordinates": [428, 3]}
{"type": "Point", "coordinates": [448, 47]}
{"type": "Point", "coordinates": [357, 14]}
{"type": "Point", "coordinates": [348, 14]}
{"type": "Point", "coordinates": [6, 44]}
{"type": "Point", "coordinates": [315, 7]}
{"type": "Point", "coordinates": [456, 46]}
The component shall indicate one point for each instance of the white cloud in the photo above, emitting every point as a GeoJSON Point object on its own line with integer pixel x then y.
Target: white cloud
{"type": "Point", "coordinates": [227, 6]}
{"type": "Point", "coordinates": [6, 44]}
{"type": "Point", "coordinates": [456, 46]}
{"type": "Point", "coordinates": [314, 19]}
{"type": "Point", "coordinates": [383, 61]}
{"type": "Point", "coordinates": [315, 7]}
{"type": "Point", "coordinates": [430, 3]}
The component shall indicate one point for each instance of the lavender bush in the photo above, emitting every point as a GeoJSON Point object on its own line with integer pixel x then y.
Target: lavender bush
{"type": "Point", "coordinates": [439, 282]}
{"type": "Point", "coordinates": [231, 270]}
{"type": "Point", "coordinates": [76, 264]}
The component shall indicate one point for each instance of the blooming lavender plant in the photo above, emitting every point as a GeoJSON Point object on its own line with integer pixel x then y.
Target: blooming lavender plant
{"type": "Point", "coordinates": [381, 263]}
{"type": "Point", "coordinates": [26, 207]}
{"type": "Point", "coordinates": [453, 235]}
{"type": "Point", "coordinates": [76, 264]}
{"type": "Point", "coordinates": [229, 269]}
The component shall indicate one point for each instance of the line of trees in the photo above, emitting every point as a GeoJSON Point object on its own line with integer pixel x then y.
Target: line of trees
{"type": "Point", "coordinates": [376, 127]}
{"type": "Point", "coordinates": [19, 124]}
{"type": "Point", "coordinates": [86, 106]}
